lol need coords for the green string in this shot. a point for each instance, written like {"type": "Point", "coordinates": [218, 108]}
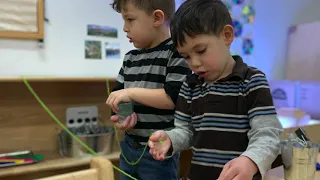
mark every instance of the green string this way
{"type": "Point", "coordinates": [67, 130]}
{"type": "Point", "coordinates": [117, 138]}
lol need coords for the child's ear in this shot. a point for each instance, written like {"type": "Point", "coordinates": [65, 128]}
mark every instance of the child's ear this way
{"type": "Point", "coordinates": [158, 18]}
{"type": "Point", "coordinates": [228, 34]}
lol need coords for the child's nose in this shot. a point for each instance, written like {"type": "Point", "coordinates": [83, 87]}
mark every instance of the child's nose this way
{"type": "Point", "coordinates": [195, 63]}
{"type": "Point", "coordinates": [125, 28]}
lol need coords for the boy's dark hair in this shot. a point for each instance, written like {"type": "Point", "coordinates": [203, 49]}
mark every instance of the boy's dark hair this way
{"type": "Point", "coordinates": [199, 17]}
{"type": "Point", "coordinates": [167, 6]}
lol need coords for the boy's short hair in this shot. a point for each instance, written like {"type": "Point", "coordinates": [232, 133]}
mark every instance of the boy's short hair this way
{"type": "Point", "coordinates": [199, 17]}
{"type": "Point", "coordinates": [167, 6]}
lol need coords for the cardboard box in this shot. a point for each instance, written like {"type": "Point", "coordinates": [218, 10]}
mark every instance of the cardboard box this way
{"type": "Point", "coordinates": [309, 98]}
{"type": "Point", "coordinates": [283, 93]}
{"type": "Point", "coordinates": [292, 117]}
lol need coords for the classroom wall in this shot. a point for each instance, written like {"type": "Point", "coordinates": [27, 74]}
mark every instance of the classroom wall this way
{"type": "Point", "coordinates": [273, 18]}
{"type": "Point", "coordinates": [63, 54]}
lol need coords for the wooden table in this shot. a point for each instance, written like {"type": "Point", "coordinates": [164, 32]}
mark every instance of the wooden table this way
{"type": "Point", "coordinates": [49, 167]}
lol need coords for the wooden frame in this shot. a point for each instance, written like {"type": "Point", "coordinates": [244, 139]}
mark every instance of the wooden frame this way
{"type": "Point", "coordinates": [29, 35]}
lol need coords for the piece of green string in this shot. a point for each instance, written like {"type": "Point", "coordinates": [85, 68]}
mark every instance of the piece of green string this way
{"type": "Point", "coordinates": [68, 131]}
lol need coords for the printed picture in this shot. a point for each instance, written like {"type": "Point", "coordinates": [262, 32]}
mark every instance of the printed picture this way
{"type": "Point", "coordinates": [93, 49]}
{"type": "Point", "coordinates": [106, 31]}
{"type": "Point", "coordinates": [112, 50]}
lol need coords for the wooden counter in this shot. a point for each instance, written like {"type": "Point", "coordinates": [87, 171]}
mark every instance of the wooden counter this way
{"type": "Point", "coordinates": [56, 79]}
{"type": "Point", "coordinates": [51, 165]}
{"type": "Point", "coordinates": [65, 165]}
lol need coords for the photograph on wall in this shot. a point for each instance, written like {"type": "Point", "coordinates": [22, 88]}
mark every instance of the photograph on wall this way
{"type": "Point", "coordinates": [93, 49]}
{"type": "Point", "coordinates": [112, 50]}
{"type": "Point", "coordinates": [105, 31]}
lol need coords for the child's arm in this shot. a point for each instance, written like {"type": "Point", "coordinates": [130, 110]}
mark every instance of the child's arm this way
{"type": "Point", "coordinates": [119, 86]}
{"type": "Point", "coordinates": [119, 83]}
{"type": "Point", "coordinates": [157, 98]}
{"type": "Point", "coordinates": [166, 97]}
{"type": "Point", "coordinates": [264, 136]}
{"type": "Point", "coordinates": [180, 137]}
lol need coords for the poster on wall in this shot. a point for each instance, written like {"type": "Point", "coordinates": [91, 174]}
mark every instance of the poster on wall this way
{"type": "Point", "coordinates": [104, 31]}
{"type": "Point", "coordinates": [112, 50]}
{"type": "Point", "coordinates": [93, 49]}
{"type": "Point", "coordinates": [243, 16]}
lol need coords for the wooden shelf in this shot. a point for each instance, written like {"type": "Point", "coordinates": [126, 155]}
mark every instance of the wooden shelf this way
{"type": "Point", "coordinates": [55, 79]}
{"type": "Point", "coordinates": [51, 165]}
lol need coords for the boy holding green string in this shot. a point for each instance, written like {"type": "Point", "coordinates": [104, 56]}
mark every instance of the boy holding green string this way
{"type": "Point", "coordinates": [150, 77]}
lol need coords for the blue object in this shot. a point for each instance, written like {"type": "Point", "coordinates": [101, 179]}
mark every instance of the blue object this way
{"type": "Point", "coordinates": [5, 164]}
{"type": "Point", "coordinates": [237, 28]}
{"type": "Point", "coordinates": [238, 1]}
{"type": "Point", "coordinates": [318, 167]}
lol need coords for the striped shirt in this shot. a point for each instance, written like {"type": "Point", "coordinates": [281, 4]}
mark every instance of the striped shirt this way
{"type": "Point", "coordinates": [158, 67]}
{"type": "Point", "coordinates": [221, 121]}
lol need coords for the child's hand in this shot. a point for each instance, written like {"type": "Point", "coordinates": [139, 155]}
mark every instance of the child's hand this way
{"type": "Point", "coordinates": [241, 168]}
{"type": "Point", "coordinates": [128, 123]}
{"type": "Point", "coordinates": [117, 97]}
{"type": "Point", "coordinates": [159, 144]}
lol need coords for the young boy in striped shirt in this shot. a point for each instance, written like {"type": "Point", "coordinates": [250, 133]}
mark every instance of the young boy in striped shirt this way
{"type": "Point", "coordinates": [151, 77]}
{"type": "Point", "coordinates": [224, 111]}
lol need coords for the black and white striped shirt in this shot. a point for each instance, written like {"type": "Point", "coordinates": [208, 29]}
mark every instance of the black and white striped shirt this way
{"type": "Point", "coordinates": [158, 67]}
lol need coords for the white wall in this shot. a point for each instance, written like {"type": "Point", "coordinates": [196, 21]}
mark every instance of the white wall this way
{"type": "Point", "coordinates": [273, 18]}
{"type": "Point", "coordinates": [63, 54]}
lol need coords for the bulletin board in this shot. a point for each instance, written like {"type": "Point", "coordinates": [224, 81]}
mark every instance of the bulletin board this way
{"type": "Point", "coordinates": [243, 16]}
{"type": "Point", "coordinates": [22, 19]}
{"type": "Point", "coordinates": [303, 52]}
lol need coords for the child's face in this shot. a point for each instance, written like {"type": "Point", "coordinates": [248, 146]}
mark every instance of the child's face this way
{"type": "Point", "coordinates": [139, 26]}
{"type": "Point", "coordinates": [207, 55]}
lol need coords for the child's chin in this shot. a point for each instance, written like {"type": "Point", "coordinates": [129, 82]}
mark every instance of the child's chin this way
{"type": "Point", "coordinates": [136, 45]}
{"type": "Point", "coordinates": [139, 46]}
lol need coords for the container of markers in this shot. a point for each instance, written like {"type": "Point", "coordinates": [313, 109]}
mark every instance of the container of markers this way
{"type": "Point", "coordinates": [299, 158]}
{"type": "Point", "coordinates": [97, 138]}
